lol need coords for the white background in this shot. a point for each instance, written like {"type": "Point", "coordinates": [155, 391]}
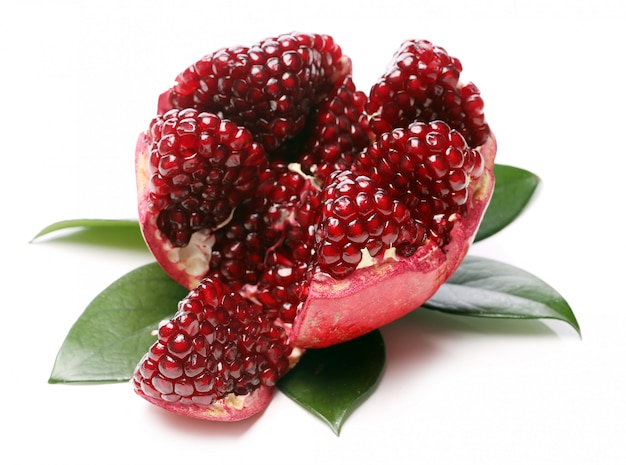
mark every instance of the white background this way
{"type": "Point", "coordinates": [80, 80]}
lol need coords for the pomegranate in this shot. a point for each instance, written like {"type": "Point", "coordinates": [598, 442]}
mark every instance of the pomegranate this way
{"type": "Point", "coordinates": [299, 211]}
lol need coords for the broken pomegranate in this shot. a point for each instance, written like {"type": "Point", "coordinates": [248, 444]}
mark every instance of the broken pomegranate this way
{"type": "Point", "coordinates": [299, 211]}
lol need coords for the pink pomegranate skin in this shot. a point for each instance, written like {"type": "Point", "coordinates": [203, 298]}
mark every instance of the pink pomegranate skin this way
{"type": "Point", "coordinates": [232, 408]}
{"type": "Point", "coordinates": [339, 310]}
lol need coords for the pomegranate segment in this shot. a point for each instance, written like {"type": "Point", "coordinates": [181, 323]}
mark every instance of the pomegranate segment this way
{"type": "Point", "coordinates": [217, 350]}
{"type": "Point", "coordinates": [422, 84]}
{"type": "Point", "coordinates": [202, 167]}
{"type": "Point", "coordinates": [193, 168]}
{"type": "Point", "coordinates": [316, 212]}
{"type": "Point", "coordinates": [337, 310]}
{"type": "Point", "coordinates": [270, 87]}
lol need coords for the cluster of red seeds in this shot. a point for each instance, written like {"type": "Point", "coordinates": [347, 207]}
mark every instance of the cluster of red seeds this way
{"type": "Point", "coordinates": [359, 215]}
{"type": "Point", "coordinates": [218, 343]}
{"type": "Point", "coordinates": [402, 189]}
{"type": "Point", "coordinates": [268, 245]}
{"type": "Point", "coordinates": [338, 132]}
{"type": "Point", "coordinates": [422, 84]}
{"type": "Point", "coordinates": [201, 167]}
{"type": "Point", "coordinates": [427, 166]}
{"type": "Point", "coordinates": [270, 87]}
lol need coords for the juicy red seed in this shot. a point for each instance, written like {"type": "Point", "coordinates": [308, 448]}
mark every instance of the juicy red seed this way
{"type": "Point", "coordinates": [351, 254]}
{"type": "Point", "coordinates": [184, 388]}
{"type": "Point", "coordinates": [375, 224]}
{"type": "Point", "coordinates": [170, 367]}
{"type": "Point", "coordinates": [204, 384]}
{"type": "Point", "coordinates": [194, 365]}
{"type": "Point", "coordinates": [437, 142]}
{"type": "Point", "coordinates": [356, 231]}
{"type": "Point", "coordinates": [268, 377]}
{"type": "Point", "coordinates": [163, 385]}
{"type": "Point", "coordinates": [438, 166]}
{"type": "Point", "coordinates": [146, 386]}
{"type": "Point", "coordinates": [400, 214]}
{"type": "Point", "coordinates": [147, 368]}
{"type": "Point", "coordinates": [365, 204]}
{"type": "Point", "coordinates": [344, 208]}
{"type": "Point", "coordinates": [334, 229]}
{"type": "Point", "coordinates": [180, 345]}
{"type": "Point", "coordinates": [167, 331]}
{"type": "Point", "coordinates": [459, 197]}
{"type": "Point", "coordinates": [157, 351]}
{"type": "Point", "coordinates": [384, 203]}
{"type": "Point", "coordinates": [389, 233]}
{"type": "Point", "coordinates": [209, 368]}
{"type": "Point", "coordinates": [458, 179]}
{"type": "Point", "coordinates": [329, 254]}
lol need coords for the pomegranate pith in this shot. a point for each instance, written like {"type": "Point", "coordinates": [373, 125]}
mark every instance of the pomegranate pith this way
{"type": "Point", "coordinates": [316, 211]}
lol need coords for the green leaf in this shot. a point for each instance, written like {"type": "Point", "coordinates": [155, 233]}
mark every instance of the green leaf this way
{"type": "Point", "coordinates": [115, 330]}
{"type": "Point", "coordinates": [514, 189]}
{"type": "Point", "coordinates": [489, 288]}
{"type": "Point", "coordinates": [332, 382]}
{"type": "Point", "coordinates": [116, 233]}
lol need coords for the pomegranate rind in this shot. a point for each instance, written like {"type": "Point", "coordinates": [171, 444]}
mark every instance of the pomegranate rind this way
{"type": "Point", "coordinates": [340, 310]}
{"type": "Point", "coordinates": [230, 408]}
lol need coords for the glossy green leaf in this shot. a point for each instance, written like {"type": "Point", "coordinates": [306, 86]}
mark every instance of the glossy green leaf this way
{"type": "Point", "coordinates": [514, 189]}
{"type": "Point", "coordinates": [332, 382]}
{"type": "Point", "coordinates": [116, 233]}
{"type": "Point", "coordinates": [115, 330]}
{"type": "Point", "coordinates": [488, 288]}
